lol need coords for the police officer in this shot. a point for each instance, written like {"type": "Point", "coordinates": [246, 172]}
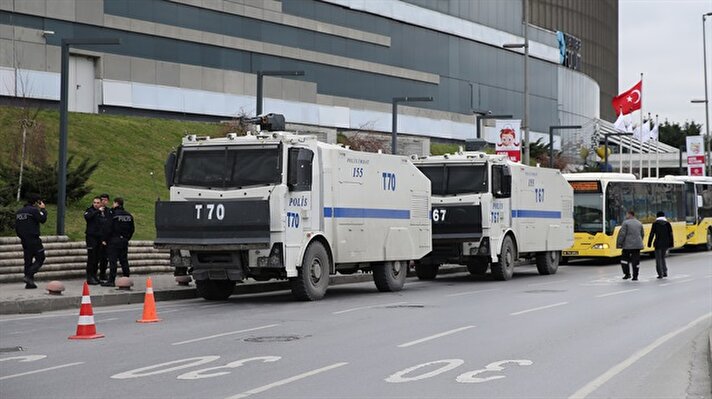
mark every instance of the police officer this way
{"type": "Point", "coordinates": [27, 227]}
{"type": "Point", "coordinates": [117, 234]}
{"type": "Point", "coordinates": [96, 218]}
{"type": "Point", "coordinates": [104, 260]}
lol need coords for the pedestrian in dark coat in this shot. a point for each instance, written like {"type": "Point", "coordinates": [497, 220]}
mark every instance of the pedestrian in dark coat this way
{"type": "Point", "coordinates": [104, 260]}
{"type": "Point", "coordinates": [630, 240]}
{"type": "Point", "coordinates": [27, 227]}
{"type": "Point", "coordinates": [662, 239]}
{"type": "Point", "coordinates": [116, 236]}
{"type": "Point", "coordinates": [96, 218]}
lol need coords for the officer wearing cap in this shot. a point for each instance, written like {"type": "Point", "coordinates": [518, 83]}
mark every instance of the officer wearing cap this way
{"type": "Point", "coordinates": [27, 227]}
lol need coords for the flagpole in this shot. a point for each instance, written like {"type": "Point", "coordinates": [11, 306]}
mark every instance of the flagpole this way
{"type": "Point", "coordinates": [630, 147]}
{"type": "Point", "coordinates": [620, 151]}
{"type": "Point", "coordinates": [650, 160]}
{"type": "Point", "coordinates": [657, 149]}
{"type": "Point", "coordinates": [640, 139]}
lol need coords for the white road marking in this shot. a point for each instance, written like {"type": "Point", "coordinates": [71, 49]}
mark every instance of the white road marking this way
{"type": "Point", "coordinates": [473, 292]}
{"type": "Point", "coordinates": [399, 376]}
{"type": "Point", "coordinates": [539, 308]}
{"type": "Point", "coordinates": [616, 293]}
{"type": "Point", "coordinates": [442, 334]}
{"type": "Point", "coordinates": [105, 320]}
{"type": "Point", "coordinates": [75, 312]}
{"type": "Point", "coordinates": [286, 381]}
{"type": "Point", "coordinates": [618, 368]}
{"type": "Point", "coordinates": [223, 334]}
{"type": "Point", "coordinates": [367, 307]}
{"type": "Point", "coordinates": [7, 377]}
{"type": "Point", "coordinates": [677, 282]}
{"type": "Point", "coordinates": [547, 283]}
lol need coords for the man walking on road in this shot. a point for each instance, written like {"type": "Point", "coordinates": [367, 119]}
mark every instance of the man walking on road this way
{"type": "Point", "coordinates": [27, 227]}
{"type": "Point", "coordinates": [116, 236]}
{"type": "Point", "coordinates": [96, 218]}
{"type": "Point", "coordinates": [630, 239]}
{"type": "Point", "coordinates": [662, 233]}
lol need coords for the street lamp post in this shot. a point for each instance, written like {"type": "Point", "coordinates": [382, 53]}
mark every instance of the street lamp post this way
{"type": "Point", "coordinates": [525, 46]}
{"type": "Point", "coordinates": [394, 125]}
{"type": "Point", "coordinates": [262, 74]}
{"type": "Point", "coordinates": [551, 139]}
{"type": "Point", "coordinates": [63, 118]}
{"type": "Point", "coordinates": [707, 103]}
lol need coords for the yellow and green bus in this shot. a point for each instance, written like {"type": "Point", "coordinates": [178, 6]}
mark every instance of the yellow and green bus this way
{"type": "Point", "coordinates": [601, 201]}
{"type": "Point", "coordinates": [698, 209]}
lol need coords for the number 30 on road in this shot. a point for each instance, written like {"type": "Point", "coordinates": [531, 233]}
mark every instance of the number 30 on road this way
{"type": "Point", "coordinates": [470, 377]}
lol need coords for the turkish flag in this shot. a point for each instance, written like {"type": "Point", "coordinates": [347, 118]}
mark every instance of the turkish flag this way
{"type": "Point", "coordinates": [629, 101]}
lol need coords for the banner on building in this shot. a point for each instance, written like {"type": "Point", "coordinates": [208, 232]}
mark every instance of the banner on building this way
{"type": "Point", "coordinates": [508, 140]}
{"type": "Point", "coordinates": [695, 156]}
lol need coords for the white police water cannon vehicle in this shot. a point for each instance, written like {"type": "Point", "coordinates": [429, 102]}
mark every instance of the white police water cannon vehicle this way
{"type": "Point", "coordinates": [277, 205]}
{"type": "Point", "coordinates": [489, 212]}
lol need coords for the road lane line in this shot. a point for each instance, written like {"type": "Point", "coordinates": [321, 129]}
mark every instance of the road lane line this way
{"type": "Point", "coordinates": [677, 282]}
{"type": "Point", "coordinates": [618, 368]}
{"type": "Point", "coordinates": [104, 320]}
{"type": "Point", "coordinates": [473, 292]}
{"type": "Point", "coordinates": [285, 381]}
{"type": "Point", "coordinates": [617, 293]}
{"type": "Point", "coordinates": [96, 313]}
{"type": "Point", "coordinates": [539, 308]}
{"type": "Point", "coordinates": [367, 307]}
{"type": "Point", "coordinates": [223, 334]}
{"type": "Point", "coordinates": [547, 283]}
{"type": "Point", "coordinates": [442, 334]}
{"type": "Point", "coordinates": [7, 377]}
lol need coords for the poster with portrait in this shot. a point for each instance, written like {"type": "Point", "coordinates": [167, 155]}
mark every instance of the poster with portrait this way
{"type": "Point", "coordinates": [509, 138]}
{"type": "Point", "coordinates": [695, 156]}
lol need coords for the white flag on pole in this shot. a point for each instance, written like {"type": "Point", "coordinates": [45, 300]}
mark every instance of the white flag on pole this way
{"type": "Point", "coordinates": [637, 133]}
{"type": "Point", "coordinates": [645, 134]}
{"type": "Point", "coordinates": [654, 133]}
{"type": "Point", "coordinates": [620, 124]}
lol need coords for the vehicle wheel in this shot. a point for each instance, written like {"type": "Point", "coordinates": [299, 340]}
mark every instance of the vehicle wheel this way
{"type": "Point", "coordinates": [564, 260]}
{"type": "Point", "coordinates": [215, 290]}
{"type": "Point", "coordinates": [313, 278]}
{"type": "Point", "coordinates": [477, 268]}
{"type": "Point", "coordinates": [504, 269]}
{"type": "Point", "coordinates": [547, 262]}
{"type": "Point", "coordinates": [390, 276]}
{"type": "Point", "coordinates": [708, 245]}
{"type": "Point", "coordinates": [426, 271]}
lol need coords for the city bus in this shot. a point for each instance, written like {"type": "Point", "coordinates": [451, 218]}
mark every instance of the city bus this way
{"type": "Point", "coordinates": [698, 209]}
{"type": "Point", "coordinates": [601, 201]}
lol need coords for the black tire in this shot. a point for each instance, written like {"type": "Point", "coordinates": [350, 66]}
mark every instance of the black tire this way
{"type": "Point", "coordinates": [313, 278]}
{"type": "Point", "coordinates": [547, 262]}
{"type": "Point", "coordinates": [390, 276]}
{"type": "Point", "coordinates": [478, 267]}
{"type": "Point", "coordinates": [215, 290]}
{"type": "Point", "coordinates": [504, 268]}
{"type": "Point", "coordinates": [426, 271]}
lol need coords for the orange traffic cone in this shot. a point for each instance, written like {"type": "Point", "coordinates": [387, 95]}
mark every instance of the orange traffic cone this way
{"type": "Point", "coordinates": [85, 327]}
{"type": "Point", "coordinates": [149, 305]}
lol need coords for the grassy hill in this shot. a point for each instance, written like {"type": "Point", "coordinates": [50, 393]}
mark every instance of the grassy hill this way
{"type": "Point", "coordinates": [127, 148]}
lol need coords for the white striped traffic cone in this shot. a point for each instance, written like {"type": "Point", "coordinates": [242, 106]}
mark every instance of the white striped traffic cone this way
{"type": "Point", "coordinates": [85, 327]}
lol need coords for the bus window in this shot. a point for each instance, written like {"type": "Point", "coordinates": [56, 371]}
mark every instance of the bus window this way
{"type": "Point", "coordinates": [588, 212]}
{"type": "Point", "coordinates": [690, 203]}
{"type": "Point", "coordinates": [705, 191]}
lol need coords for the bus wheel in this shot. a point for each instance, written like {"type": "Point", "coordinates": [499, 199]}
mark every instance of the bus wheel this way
{"type": "Point", "coordinates": [547, 262]}
{"type": "Point", "coordinates": [313, 278]}
{"type": "Point", "coordinates": [215, 290]}
{"type": "Point", "coordinates": [477, 267]}
{"type": "Point", "coordinates": [426, 271]}
{"type": "Point", "coordinates": [504, 268]}
{"type": "Point", "coordinates": [708, 245]}
{"type": "Point", "coordinates": [390, 276]}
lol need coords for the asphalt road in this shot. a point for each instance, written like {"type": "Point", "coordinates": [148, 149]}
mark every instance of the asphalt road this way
{"type": "Point", "coordinates": [583, 332]}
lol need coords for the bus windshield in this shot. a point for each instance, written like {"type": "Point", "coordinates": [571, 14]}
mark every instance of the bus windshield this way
{"type": "Point", "coordinates": [229, 167]}
{"type": "Point", "coordinates": [459, 179]}
{"type": "Point", "coordinates": [588, 213]}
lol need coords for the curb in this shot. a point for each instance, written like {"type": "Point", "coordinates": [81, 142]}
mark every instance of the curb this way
{"type": "Point", "coordinates": [171, 294]}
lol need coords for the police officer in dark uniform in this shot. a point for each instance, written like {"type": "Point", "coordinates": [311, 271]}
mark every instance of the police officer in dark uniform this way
{"type": "Point", "coordinates": [96, 218]}
{"type": "Point", "coordinates": [117, 234]}
{"type": "Point", "coordinates": [104, 260]}
{"type": "Point", "coordinates": [27, 227]}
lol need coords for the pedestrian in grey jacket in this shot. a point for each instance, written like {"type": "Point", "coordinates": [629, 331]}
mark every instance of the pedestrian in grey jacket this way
{"type": "Point", "coordinates": [630, 240]}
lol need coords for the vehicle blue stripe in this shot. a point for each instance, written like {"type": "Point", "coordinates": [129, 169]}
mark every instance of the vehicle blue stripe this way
{"type": "Point", "coordinates": [526, 213]}
{"type": "Point", "coordinates": [368, 213]}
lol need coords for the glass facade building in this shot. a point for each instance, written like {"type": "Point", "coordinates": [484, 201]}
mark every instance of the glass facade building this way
{"type": "Point", "coordinates": [200, 58]}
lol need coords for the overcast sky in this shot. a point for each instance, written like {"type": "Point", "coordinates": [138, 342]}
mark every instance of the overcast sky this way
{"type": "Point", "coordinates": [663, 40]}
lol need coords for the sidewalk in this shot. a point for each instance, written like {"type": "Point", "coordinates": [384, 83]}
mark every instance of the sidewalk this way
{"type": "Point", "coordinates": [14, 298]}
